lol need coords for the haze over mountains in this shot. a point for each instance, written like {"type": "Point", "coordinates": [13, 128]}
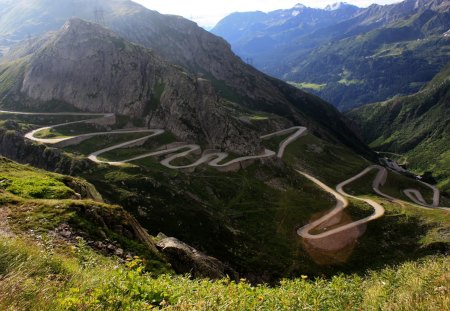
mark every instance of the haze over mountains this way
{"type": "Point", "coordinates": [348, 56]}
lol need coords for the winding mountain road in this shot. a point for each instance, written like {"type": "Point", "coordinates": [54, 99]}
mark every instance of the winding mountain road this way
{"type": "Point", "coordinates": [299, 132]}
{"type": "Point", "coordinates": [341, 204]}
{"type": "Point", "coordinates": [417, 197]}
{"type": "Point", "coordinates": [214, 159]}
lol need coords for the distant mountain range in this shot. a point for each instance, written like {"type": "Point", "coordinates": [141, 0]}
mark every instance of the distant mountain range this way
{"type": "Point", "coordinates": [415, 126]}
{"type": "Point", "coordinates": [347, 55]}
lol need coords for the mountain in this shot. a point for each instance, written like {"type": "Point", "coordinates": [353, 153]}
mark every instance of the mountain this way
{"type": "Point", "coordinates": [366, 55]}
{"type": "Point", "coordinates": [155, 70]}
{"type": "Point", "coordinates": [414, 128]}
{"type": "Point", "coordinates": [256, 34]}
{"type": "Point", "coordinates": [177, 40]}
{"type": "Point", "coordinates": [183, 43]}
{"type": "Point", "coordinates": [90, 68]}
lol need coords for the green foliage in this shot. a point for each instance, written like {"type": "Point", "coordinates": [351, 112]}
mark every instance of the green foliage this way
{"type": "Point", "coordinates": [49, 133]}
{"type": "Point", "coordinates": [254, 212]}
{"type": "Point", "coordinates": [332, 163]}
{"type": "Point", "coordinates": [396, 183]}
{"type": "Point", "coordinates": [416, 126]}
{"type": "Point", "coordinates": [148, 146]}
{"type": "Point", "coordinates": [71, 130]}
{"type": "Point", "coordinates": [31, 183]}
{"type": "Point", "coordinates": [57, 281]}
{"type": "Point", "coordinates": [72, 278]}
{"type": "Point", "coordinates": [102, 141]}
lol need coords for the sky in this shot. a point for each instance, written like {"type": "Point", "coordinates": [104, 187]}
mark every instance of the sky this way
{"type": "Point", "coordinates": [208, 13]}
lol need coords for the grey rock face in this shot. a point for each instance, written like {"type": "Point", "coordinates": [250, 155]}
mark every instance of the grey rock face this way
{"type": "Point", "coordinates": [181, 42]}
{"type": "Point", "coordinates": [95, 70]}
{"type": "Point", "coordinates": [14, 146]}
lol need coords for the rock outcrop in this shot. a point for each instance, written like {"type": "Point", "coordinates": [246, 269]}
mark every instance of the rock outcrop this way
{"type": "Point", "coordinates": [92, 69]}
{"type": "Point", "coordinates": [14, 146]}
{"type": "Point", "coordinates": [186, 259]}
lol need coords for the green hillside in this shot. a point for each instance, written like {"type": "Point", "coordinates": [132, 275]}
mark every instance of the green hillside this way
{"type": "Point", "coordinates": [54, 280]}
{"type": "Point", "coordinates": [143, 165]}
{"type": "Point", "coordinates": [41, 270]}
{"type": "Point", "coordinates": [416, 126]}
{"type": "Point", "coordinates": [369, 55]}
{"type": "Point", "coordinates": [254, 212]}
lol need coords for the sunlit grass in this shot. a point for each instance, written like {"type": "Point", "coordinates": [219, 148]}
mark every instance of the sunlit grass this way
{"type": "Point", "coordinates": [43, 278]}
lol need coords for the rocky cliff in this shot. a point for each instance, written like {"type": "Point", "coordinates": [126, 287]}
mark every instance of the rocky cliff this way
{"type": "Point", "coordinates": [92, 69]}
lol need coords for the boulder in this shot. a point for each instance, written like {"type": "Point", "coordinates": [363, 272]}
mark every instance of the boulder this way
{"type": "Point", "coordinates": [186, 259]}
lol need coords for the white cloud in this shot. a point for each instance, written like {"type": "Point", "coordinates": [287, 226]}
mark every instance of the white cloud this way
{"type": "Point", "coordinates": [208, 13]}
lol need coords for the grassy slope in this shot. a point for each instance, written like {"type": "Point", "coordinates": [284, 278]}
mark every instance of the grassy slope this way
{"type": "Point", "coordinates": [37, 202]}
{"type": "Point", "coordinates": [417, 126]}
{"type": "Point", "coordinates": [254, 213]}
{"type": "Point", "coordinates": [29, 183]}
{"type": "Point", "coordinates": [42, 273]}
{"type": "Point", "coordinates": [254, 222]}
{"type": "Point", "coordinates": [39, 279]}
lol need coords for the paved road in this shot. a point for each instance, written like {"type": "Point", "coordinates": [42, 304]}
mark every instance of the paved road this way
{"type": "Point", "coordinates": [215, 159]}
{"type": "Point", "coordinates": [341, 204]}
{"type": "Point", "coordinates": [417, 197]}
{"type": "Point", "coordinates": [299, 132]}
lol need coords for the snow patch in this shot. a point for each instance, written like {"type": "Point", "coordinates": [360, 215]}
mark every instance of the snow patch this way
{"type": "Point", "coordinates": [299, 6]}
{"type": "Point", "coordinates": [335, 6]}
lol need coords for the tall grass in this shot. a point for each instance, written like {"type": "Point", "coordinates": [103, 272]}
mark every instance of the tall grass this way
{"type": "Point", "coordinates": [42, 277]}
